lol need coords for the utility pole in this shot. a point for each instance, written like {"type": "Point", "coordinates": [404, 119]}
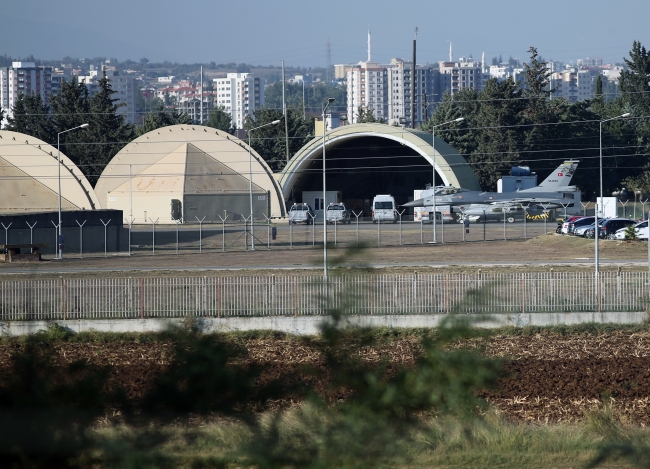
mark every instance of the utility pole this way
{"type": "Point", "coordinates": [284, 113]}
{"type": "Point", "coordinates": [201, 103]}
{"type": "Point", "coordinates": [424, 107]}
{"type": "Point", "coordinates": [413, 81]}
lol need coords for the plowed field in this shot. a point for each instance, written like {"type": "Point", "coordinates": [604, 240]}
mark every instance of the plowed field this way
{"type": "Point", "coordinates": [549, 378]}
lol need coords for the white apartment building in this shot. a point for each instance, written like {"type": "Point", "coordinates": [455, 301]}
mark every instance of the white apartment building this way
{"type": "Point", "coordinates": [456, 76]}
{"type": "Point", "coordinates": [400, 88]}
{"type": "Point", "coordinates": [573, 84]}
{"type": "Point", "coordinates": [367, 88]}
{"type": "Point", "coordinates": [23, 78]}
{"type": "Point", "coordinates": [124, 87]}
{"type": "Point", "coordinates": [240, 94]}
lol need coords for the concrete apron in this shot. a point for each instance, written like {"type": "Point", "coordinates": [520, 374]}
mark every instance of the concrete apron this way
{"type": "Point", "coordinates": [309, 325]}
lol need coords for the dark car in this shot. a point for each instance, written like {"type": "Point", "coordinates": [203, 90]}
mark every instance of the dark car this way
{"type": "Point", "coordinates": [611, 226]}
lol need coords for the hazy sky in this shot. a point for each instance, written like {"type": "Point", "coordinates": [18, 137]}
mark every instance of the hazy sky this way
{"type": "Point", "coordinates": [266, 32]}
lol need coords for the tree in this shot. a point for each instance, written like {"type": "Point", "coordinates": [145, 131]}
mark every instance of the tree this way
{"type": "Point", "coordinates": [159, 117]}
{"type": "Point", "coordinates": [219, 119]}
{"type": "Point", "coordinates": [368, 116]}
{"type": "Point", "coordinates": [633, 82]}
{"type": "Point", "coordinates": [31, 116]}
{"type": "Point", "coordinates": [70, 109]}
{"type": "Point", "coordinates": [270, 142]}
{"type": "Point", "coordinates": [107, 131]}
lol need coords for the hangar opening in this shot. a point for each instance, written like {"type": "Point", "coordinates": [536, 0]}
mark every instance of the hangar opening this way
{"type": "Point", "coordinates": [364, 160]}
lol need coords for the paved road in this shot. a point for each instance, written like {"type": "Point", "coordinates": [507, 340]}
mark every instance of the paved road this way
{"type": "Point", "coordinates": [476, 254]}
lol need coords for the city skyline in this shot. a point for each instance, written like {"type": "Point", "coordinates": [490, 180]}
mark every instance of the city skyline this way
{"type": "Point", "coordinates": [298, 33]}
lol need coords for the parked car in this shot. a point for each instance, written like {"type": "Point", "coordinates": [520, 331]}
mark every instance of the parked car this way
{"type": "Point", "coordinates": [565, 223]}
{"type": "Point", "coordinates": [587, 231]}
{"type": "Point", "coordinates": [640, 229]}
{"type": "Point", "coordinates": [301, 213]}
{"type": "Point", "coordinates": [611, 226]}
{"type": "Point", "coordinates": [337, 213]}
{"type": "Point", "coordinates": [583, 221]}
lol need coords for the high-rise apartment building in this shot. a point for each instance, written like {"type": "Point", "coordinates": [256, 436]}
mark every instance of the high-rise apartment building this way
{"type": "Point", "coordinates": [387, 91]}
{"type": "Point", "coordinates": [240, 94]}
{"type": "Point", "coordinates": [124, 87]}
{"type": "Point", "coordinates": [465, 73]}
{"type": "Point", "coordinates": [367, 89]}
{"type": "Point", "coordinates": [23, 78]}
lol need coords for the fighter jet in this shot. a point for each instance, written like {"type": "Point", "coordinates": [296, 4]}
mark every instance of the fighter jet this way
{"type": "Point", "coordinates": [553, 192]}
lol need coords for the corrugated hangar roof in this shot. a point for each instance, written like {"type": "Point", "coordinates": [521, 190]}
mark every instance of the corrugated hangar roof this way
{"type": "Point", "coordinates": [187, 159]}
{"type": "Point", "coordinates": [30, 177]}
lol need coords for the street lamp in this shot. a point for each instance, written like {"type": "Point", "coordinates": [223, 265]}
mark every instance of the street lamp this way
{"type": "Point", "coordinates": [329, 101]}
{"type": "Point", "coordinates": [433, 144]}
{"type": "Point", "coordinates": [59, 254]}
{"type": "Point", "coordinates": [250, 177]}
{"type": "Point", "coordinates": [596, 229]}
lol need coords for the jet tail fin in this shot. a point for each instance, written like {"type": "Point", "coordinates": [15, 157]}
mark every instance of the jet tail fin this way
{"type": "Point", "coordinates": [560, 178]}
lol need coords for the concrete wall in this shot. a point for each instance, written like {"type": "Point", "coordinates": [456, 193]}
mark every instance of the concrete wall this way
{"type": "Point", "coordinates": [309, 325]}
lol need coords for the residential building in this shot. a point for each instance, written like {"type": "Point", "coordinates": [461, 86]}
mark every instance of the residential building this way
{"type": "Point", "coordinates": [456, 76]}
{"type": "Point", "coordinates": [23, 78]}
{"type": "Point", "coordinates": [400, 88]}
{"type": "Point", "coordinates": [367, 89]}
{"type": "Point", "coordinates": [241, 94]}
{"type": "Point", "coordinates": [573, 84]}
{"type": "Point", "coordinates": [124, 87]}
{"type": "Point", "coordinates": [590, 62]}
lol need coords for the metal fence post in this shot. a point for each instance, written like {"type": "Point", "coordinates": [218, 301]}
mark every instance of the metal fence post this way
{"type": "Point", "coordinates": [200, 232]}
{"type": "Point", "coordinates": [290, 234]}
{"type": "Point", "coordinates": [81, 237]}
{"type": "Point", "coordinates": [421, 231]}
{"type": "Point", "coordinates": [442, 226]}
{"type": "Point", "coordinates": [379, 230]}
{"type": "Point", "coordinates": [313, 228]}
{"type": "Point", "coordinates": [525, 219]}
{"type": "Point", "coordinates": [504, 225]}
{"type": "Point", "coordinates": [177, 222]}
{"type": "Point", "coordinates": [400, 225]}
{"type": "Point", "coordinates": [484, 221]}
{"type": "Point", "coordinates": [153, 236]}
{"type": "Point", "coordinates": [624, 211]}
{"type": "Point", "coordinates": [246, 230]}
{"type": "Point", "coordinates": [130, 222]}
{"type": "Point", "coordinates": [56, 238]}
{"type": "Point", "coordinates": [584, 208]}
{"type": "Point", "coordinates": [268, 232]}
{"type": "Point", "coordinates": [7, 232]}
{"type": "Point", "coordinates": [357, 215]}
{"type": "Point", "coordinates": [31, 232]}
{"type": "Point", "coordinates": [223, 232]}
{"type": "Point", "coordinates": [105, 240]}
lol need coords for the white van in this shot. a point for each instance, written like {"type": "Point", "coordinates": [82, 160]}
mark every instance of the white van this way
{"type": "Point", "coordinates": [384, 209]}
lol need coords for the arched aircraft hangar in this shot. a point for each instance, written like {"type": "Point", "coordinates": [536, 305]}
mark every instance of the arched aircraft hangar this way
{"type": "Point", "coordinates": [363, 160]}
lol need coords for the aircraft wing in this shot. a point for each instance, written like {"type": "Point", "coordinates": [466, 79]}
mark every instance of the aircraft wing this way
{"type": "Point", "coordinates": [546, 202]}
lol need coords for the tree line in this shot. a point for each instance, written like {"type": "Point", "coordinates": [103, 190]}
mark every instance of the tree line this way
{"type": "Point", "coordinates": [511, 123]}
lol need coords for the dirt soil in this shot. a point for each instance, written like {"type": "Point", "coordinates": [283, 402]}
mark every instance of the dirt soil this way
{"type": "Point", "coordinates": [548, 378]}
{"type": "Point", "coordinates": [454, 256]}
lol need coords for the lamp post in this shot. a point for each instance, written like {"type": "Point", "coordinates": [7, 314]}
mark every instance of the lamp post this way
{"type": "Point", "coordinates": [596, 229]}
{"type": "Point", "coordinates": [250, 177]}
{"type": "Point", "coordinates": [59, 255]}
{"type": "Point", "coordinates": [433, 144]}
{"type": "Point", "coordinates": [329, 101]}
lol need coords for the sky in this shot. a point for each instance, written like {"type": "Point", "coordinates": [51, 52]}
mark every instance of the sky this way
{"type": "Point", "coordinates": [265, 32]}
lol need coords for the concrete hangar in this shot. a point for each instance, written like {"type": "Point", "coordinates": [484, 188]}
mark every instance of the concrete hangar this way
{"type": "Point", "coordinates": [363, 160]}
{"type": "Point", "coordinates": [189, 173]}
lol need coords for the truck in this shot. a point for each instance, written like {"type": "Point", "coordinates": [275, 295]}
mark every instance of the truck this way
{"type": "Point", "coordinates": [337, 213]}
{"type": "Point", "coordinates": [301, 213]}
